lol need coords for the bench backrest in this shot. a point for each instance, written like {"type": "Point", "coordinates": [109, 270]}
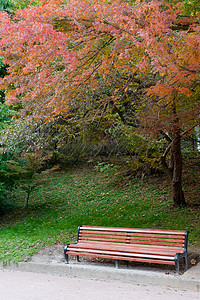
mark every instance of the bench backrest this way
{"type": "Point", "coordinates": [169, 238]}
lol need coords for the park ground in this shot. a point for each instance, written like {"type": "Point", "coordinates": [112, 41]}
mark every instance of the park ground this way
{"type": "Point", "coordinates": [29, 286]}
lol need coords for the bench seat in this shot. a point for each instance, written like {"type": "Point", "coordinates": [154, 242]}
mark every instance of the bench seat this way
{"type": "Point", "coordinates": [140, 245]}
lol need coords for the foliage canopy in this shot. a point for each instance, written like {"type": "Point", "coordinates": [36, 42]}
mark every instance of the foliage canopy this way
{"type": "Point", "coordinates": [144, 50]}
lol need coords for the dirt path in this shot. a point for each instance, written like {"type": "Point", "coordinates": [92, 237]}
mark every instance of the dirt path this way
{"type": "Point", "coordinates": [19, 285]}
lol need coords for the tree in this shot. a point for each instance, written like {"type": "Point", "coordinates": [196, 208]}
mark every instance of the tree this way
{"type": "Point", "coordinates": [142, 46]}
{"type": "Point", "coordinates": [28, 172]}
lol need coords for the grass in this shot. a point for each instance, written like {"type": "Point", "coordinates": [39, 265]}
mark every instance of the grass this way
{"type": "Point", "coordinates": [84, 196]}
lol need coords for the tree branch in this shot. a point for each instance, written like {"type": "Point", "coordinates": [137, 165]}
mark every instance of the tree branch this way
{"type": "Point", "coordinates": [166, 136]}
{"type": "Point", "coordinates": [167, 150]}
{"type": "Point", "coordinates": [186, 131]}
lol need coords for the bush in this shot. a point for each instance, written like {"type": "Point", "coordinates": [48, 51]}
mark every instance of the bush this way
{"type": "Point", "coordinates": [5, 205]}
{"type": "Point", "coordinates": [6, 185]}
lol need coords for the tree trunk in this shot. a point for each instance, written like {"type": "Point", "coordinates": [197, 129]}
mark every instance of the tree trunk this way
{"type": "Point", "coordinates": [27, 198]}
{"type": "Point", "coordinates": [178, 194]}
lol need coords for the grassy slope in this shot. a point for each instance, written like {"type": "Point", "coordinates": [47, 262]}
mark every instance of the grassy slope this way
{"type": "Point", "coordinates": [84, 196]}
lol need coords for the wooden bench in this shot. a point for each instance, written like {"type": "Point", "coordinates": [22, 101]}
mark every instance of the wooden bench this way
{"type": "Point", "coordinates": [130, 244]}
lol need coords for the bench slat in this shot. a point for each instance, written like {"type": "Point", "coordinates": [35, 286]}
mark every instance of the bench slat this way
{"type": "Point", "coordinates": [138, 242]}
{"type": "Point", "coordinates": [97, 245]}
{"type": "Point", "coordinates": [129, 234]}
{"type": "Point", "coordinates": [125, 238]}
{"type": "Point", "coordinates": [167, 262]}
{"type": "Point", "coordinates": [143, 250]}
{"type": "Point", "coordinates": [113, 229]}
{"type": "Point", "coordinates": [123, 253]}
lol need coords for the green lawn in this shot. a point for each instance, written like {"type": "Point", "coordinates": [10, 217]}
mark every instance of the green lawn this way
{"type": "Point", "coordinates": [84, 196]}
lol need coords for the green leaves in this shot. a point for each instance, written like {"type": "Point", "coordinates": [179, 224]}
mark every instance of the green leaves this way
{"type": "Point", "coordinates": [11, 6]}
{"type": "Point", "coordinates": [6, 114]}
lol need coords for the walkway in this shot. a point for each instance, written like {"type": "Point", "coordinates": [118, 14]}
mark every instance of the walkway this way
{"type": "Point", "coordinates": [20, 285]}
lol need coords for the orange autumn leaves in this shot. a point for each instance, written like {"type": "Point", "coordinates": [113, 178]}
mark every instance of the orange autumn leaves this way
{"type": "Point", "coordinates": [47, 66]}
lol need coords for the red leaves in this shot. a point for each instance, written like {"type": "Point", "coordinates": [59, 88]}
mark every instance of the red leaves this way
{"type": "Point", "coordinates": [47, 66]}
{"type": "Point", "coordinates": [35, 53]}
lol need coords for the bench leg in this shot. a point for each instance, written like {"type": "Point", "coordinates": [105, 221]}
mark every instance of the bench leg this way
{"type": "Point", "coordinates": [66, 258]}
{"type": "Point", "coordinates": [185, 263]}
{"type": "Point", "coordinates": [66, 255]}
{"type": "Point", "coordinates": [77, 258]}
{"type": "Point", "coordinates": [117, 263]}
{"type": "Point", "coordinates": [177, 263]}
